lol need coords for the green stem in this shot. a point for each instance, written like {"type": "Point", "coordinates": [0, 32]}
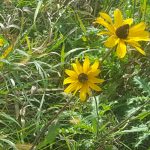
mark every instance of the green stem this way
{"type": "Point", "coordinates": [134, 4]}
{"type": "Point", "coordinates": [97, 114]}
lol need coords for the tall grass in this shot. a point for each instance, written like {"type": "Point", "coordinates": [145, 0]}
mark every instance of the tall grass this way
{"type": "Point", "coordinates": [45, 36]}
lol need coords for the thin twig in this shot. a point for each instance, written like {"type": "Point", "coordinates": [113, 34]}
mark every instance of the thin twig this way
{"type": "Point", "coordinates": [41, 133]}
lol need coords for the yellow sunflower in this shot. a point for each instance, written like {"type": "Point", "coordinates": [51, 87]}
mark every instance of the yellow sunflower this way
{"type": "Point", "coordinates": [83, 78]}
{"type": "Point", "coordinates": [121, 32]}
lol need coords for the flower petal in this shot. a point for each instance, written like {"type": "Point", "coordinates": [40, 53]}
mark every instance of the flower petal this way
{"type": "Point", "coordinates": [69, 80]}
{"type": "Point", "coordinates": [94, 86]}
{"type": "Point", "coordinates": [137, 46]}
{"type": "Point", "coordinates": [104, 32]}
{"type": "Point", "coordinates": [111, 41]}
{"type": "Point", "coordinates": [106, 17]}
{"type": "Point", "coordinates": [140, 39]}
{"type": "Point", "coordinates": [139, 36]}
{"type": "Point", "coordinates": [79, 66]}
{"type": "Point", "coordinates": [76, 67]}
{"type": "Point", "coordinates": [95, 80]}
{"type": "Point", "coordinates": [129, 41]}
{"type": "Point", "coordinates": [95, 66]}
{"type": "Point", "coordinates": [118, 19]}
{"type": "Point", "coordinates": [140, 50]}
{"type": "Point", "coordinates": [128, 21]}
{"type": "Point", "coordinates": [121, 49]}
{"type": "Point", "coordinates": [139, 27]}
{"type": "Point", "coordinates": [86, 65]}
{"type": "Point", "coordinates": [105, 24]}
{"type": "Point", "coordinates": [71, 73]}
{"type": "Point", "coordinates": [94, 73]}
{"type": "Point", "coordinates": [83, 93]}
{"type": "Point", "coordinates": [71, 87]}
{"type": "Point", "coordinates": [79, 85]}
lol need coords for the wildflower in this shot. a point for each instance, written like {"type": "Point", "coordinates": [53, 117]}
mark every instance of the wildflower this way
{"type": "Point", "coordinates": [6, 52]}
{"type": "Point", "coordinates": [121, 32]}
{"type": "Point", "coordinates": [83, 78]}
{"type": "Point", "coordinates": [1, 42]}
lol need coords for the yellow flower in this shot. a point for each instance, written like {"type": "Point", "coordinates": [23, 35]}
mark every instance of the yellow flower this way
{"type": "Point", "coordinates": [121, 32]}
{"type": "Point", "coordinates": [1, 42]}
{"type": "Point", "coordinates": [83, 78]}
{"type": "Point", "coordinates": [6, 52]}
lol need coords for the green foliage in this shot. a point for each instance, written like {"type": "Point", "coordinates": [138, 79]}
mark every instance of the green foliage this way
{"type": "Point", "coordinates": [47, 35]}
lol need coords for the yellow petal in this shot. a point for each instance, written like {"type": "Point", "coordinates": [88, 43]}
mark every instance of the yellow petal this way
{"type": "Point", "coordinates": [128, 21]}
{"type": "Point", "coordinates": [140, 50]}
{"type": "Point", "coordinates": [83, 93]}
{"type": "Point", "coordinates": [104, 32]}
{"type": "Point", "coordinates": [140, 39]}
{"type": "Point", "coordinates": [139, 27]}
{"type": "Point", "coordinates": [94, 73]}
{"type": "Point", "coordinates": [88, 91]}
{"type": "Point", "coordinates": [118, 19]}
{"type": "Point", "coordinates": [95, 66]}
{"type": "Point", "coordinates": [95, 80]}
{"type": "Point", "coordinates": [76, 68]}
{"type": "Point", "coordinates": [121, 49]}
{"type": "Point", "coordinates": [129, 41]}
{"type": "Point", "coordinates": [79, 85]}
{"type": "Point", "coordinates": [82, 96]}
{"type": "Point", "coordinates": [137, 46]}
{"type": "Point", "coordinates": [106, 17]}
{"type": "Point", "coordinates": [69, 80]}
{"type": "Point", "coordinates": [105, 24]}
{"type": "Point", "coordinates": [71, 88]}
{"type": "Point", "coordinates": [111, 41]}
{"type": "Point", "coordinates": [71, 73]}
{"type": "Point", "coordinates": [79, 66]}
{"type": "Point", "coordinates": [139, 36]}
{"type": "Point", "coordinates": [94, 86]}
{"type": "Point", "coordinates": [86, 65]}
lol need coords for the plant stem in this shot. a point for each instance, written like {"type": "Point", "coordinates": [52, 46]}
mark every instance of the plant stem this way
{"type": "Point", "coordinates": [134, 4]}
{"type": "Point", "coordinates": [44, 129]}
{"type": "Point", "coordinates": [96, 105]}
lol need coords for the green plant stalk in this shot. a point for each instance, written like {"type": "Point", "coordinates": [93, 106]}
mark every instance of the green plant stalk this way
{"type": "Point", "coordinates": [44, 129]}
{"type": "Point", "coordinates": [145, 9]}
{"type": "Point", "coordinates": [97, 116]}
{"type": "Point", "coordinates": [95, 7]}
{"type": "Point", "coordinates": [134, 4]}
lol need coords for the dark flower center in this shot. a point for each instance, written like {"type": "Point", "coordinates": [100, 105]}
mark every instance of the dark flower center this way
{"type": "Point", "coordinates": [123, 31]}
{"type": "Point", "coordinates": [82, 77]}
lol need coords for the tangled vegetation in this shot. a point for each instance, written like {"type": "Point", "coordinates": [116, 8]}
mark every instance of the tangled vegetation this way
{"type": "Point", "coordinates": [74, 75]}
